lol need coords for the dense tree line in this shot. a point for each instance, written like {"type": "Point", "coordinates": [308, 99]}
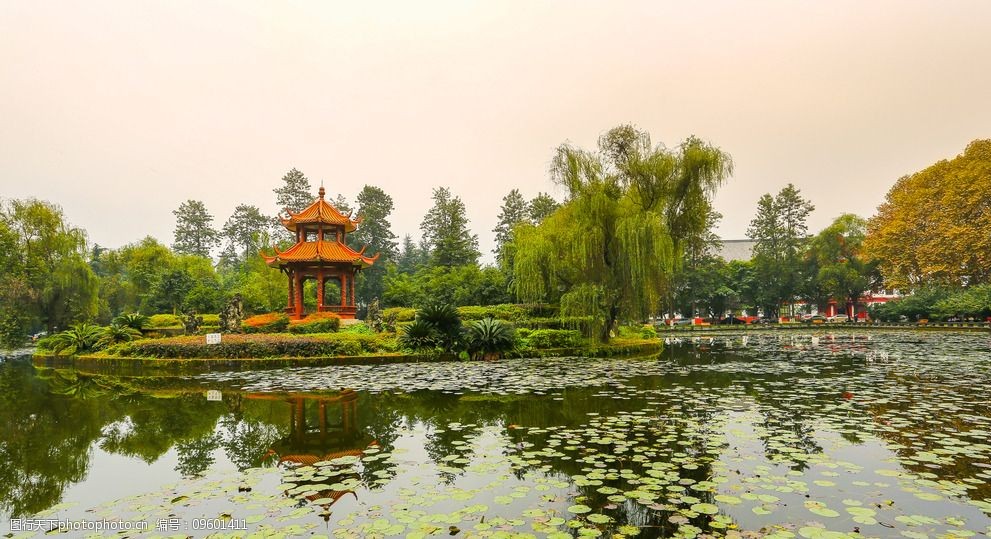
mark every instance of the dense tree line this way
{"type": "Point", "coordinates": [633, 238]}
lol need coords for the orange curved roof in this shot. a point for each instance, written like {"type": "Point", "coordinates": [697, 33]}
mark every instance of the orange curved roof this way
{"type": "Point", "coordinates": [320, 211]}
{"type": "Point", "coordinates": [320, 251]}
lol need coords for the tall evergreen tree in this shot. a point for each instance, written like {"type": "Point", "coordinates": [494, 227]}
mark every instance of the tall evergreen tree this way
{"type": "Point", "coordinates": [541, 206]}
{"type": "Point", "coordinates": [194, 233]}
{"type": "Point", "coordinates": [412, 256]}
{"type": "Point", "coordinates": [446, 232]}
{"type": "Point", "coordinates": [780, 232]}
{"type": "Point", "coordinates": [513, 212]}
{"type": "Point", "coordinates": [243, 230]}
{"type": "Point", "coordinates": [295, 193]}
{"type": "Point", "coordinates": [375, 231]}
{"type": "Point", "coordinates": [341, 204]}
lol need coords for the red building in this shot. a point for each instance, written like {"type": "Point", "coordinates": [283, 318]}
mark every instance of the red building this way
{"type": "Point", "coordinates": [320, 254]}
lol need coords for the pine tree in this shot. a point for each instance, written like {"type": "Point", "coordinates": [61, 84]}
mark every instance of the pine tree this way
{"type": "Point", "coordinates": [296, 192]}
{"type": "Point", "coordinates": [194, 234]}
{"type": "Point", "coordinates": [541, 206]}
{"type": "Point", "coordinates": [513, 212]}
{"type": "Point", "coordinates": [446, 232]}
{"type": "Point", "coordinates": [243, 229]}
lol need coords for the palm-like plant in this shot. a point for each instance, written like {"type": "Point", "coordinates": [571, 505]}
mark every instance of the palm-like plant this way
{"type": "Point", "coordinates": [420, 335]}
{"type": "Point", "coordinates": [445, 320]}
{"type": "Point", "coordinates": [78, 338]}
{"type": "Point", "coordinates": [115, 334]}
{"type": "Point", "coordinates": [490, 337]}
{"type": "Point", "coordinates": [132, 320]}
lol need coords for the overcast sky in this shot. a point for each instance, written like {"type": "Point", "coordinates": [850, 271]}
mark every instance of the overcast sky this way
{"type": "Point", "coordinates": [119, 111]}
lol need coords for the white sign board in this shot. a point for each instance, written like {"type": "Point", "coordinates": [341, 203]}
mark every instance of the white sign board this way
{"type": "Point", "coordinates": [214, 395]}
{"type": "Point", "coordinates": [213, 338]}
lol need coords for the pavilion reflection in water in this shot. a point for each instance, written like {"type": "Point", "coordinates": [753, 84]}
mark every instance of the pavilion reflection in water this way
{"type": "Point", "coordinates": [321, 428]}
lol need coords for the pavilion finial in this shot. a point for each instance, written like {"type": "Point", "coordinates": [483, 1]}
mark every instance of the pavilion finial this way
{"type": "Point", "coordinates": [322, 191]}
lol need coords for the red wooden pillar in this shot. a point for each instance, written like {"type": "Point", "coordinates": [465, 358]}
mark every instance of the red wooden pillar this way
{"type": "Point", "coordinates": [320, 289]}
{"type": "Point", "coordinates": [351, 282]}
{"type": "Point", "coordinates": [344, 289]}
{"type": "Point", "coordinates": [292, 292]}
{"type": "Point", "coordinates": [299, 294]}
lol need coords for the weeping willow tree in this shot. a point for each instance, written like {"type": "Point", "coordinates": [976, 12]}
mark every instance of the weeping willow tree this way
{"type": "Point", "coordinates": [611, 249]}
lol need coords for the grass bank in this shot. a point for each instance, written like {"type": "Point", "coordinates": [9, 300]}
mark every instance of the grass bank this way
{"type": "Point", "coordinates": [156, 366]}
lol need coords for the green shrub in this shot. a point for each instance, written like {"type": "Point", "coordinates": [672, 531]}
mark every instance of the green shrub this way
{"type": "Point", "coordinates": [115, 334]}
{"type": "Point", "coordinates": [359, 328]}
{"type": "Point", "coordinates": [78, 338]}
{"type": "Point", "coordinates": [490, 336]}
{"type": "Point", "coordinates": [266, 323]}
{"type": "Point", "coordinates": [420, 335]}
{"type": "Point", "coordinates": [555, 338]}
{"type": "Point", "coordinates": [445, 321]}
{"type": "Point", "coordinates": [158, 321]}
{"type": "Point", "coordinates": [317, 326]}
{"type": "Point", "coordinates": [210, 319]}
{"type": "Point", "coordinates": [505, 311]}
{"type": "Point", "coordinates": [257, 346]}
{"type": "Point", "coordinates": [399, 314]}
{"type": "Point", "coordinates": [580, 323]}
{"type": "Point", "coordinates": [132, 320]}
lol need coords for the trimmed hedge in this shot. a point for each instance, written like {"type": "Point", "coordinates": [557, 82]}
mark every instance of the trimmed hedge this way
{"type": "Point", "coordinates": [158, 321]}
{"type": "Point", "coordinates": [554, 338]}
{"type": "Point", "coordinates": [266, 323]}
{"type": "Point", "coordinates": [257, 346]}
{"type": "Point", "coordinates": [580, 323]}
{"type": "Point", "coordinates": [316, 323]}
{"type": "Point", "coordinates": [401, 314]}
{"type": "Point", "coordinates": [499, 312]}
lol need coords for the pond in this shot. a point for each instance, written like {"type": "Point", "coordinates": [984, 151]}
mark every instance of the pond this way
{"type": "Point", "coordinates": [874, 434]}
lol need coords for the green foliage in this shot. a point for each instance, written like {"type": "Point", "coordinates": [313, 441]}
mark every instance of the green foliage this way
{"type": "Point", "coordinates": [446, 232]}
{"type": "Point", "coordinates": [116, 334]}
{"type": "Point", "coordinates": [267, 323]}
{"type": "Point", "coordinates": [554, 338]}
{"type": "Point", "coordinates": [194, 233]}
{"type": "Point", "coordinates": [504, 311]}
{"type": "Point", "coordinates": [244, 231]}
{"type": "Point", "coordinates": [420, 335]}
{"type": "Point", "coordinates": [460, 285]}
{"type": "Point", "coordinates": [489, 336]}
{"type": "Point", "coordinates": [375, 232]}
{"type": "Point", "coordinates": [609, 252]}
{"type": "Point", "coordinates": [317, 325]}
{"type": "Point", "coordinates": [295, 193]}
{"type": "Point", "coordinates": [258, 346]}
{"type": "Point", "coordinates": [399, 314]}
{"type": "Point", "coordinates": [160, 321]}
{"type": "Point", "coordinates": [513, 212]}
{"type": "Point", "coordinates": [445, 320]}
{"type": "Point", "coordinates": [973, 302]}
{"type": "Point", "coordinates": [780, 232]}
{"type": "Point", "coordinates": [132, 320]}
{"type": "Point", "coordinates": [937, 303]}
{"type": "Point", "coordinates": [360, 329]}
{"type": "Point", "coordinates": [78, 338]}
{"type": "Point", "coordinates": [46, 280]}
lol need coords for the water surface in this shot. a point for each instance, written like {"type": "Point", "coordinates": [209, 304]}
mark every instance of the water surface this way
{"type": "Point", "coordinates": [815, 435]}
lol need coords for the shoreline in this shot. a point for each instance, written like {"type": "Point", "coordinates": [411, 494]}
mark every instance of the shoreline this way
{"type": "Point", "coordinates": [140, 366]}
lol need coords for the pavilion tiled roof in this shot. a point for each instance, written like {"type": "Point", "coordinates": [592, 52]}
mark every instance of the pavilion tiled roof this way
{"type": "Point", "coordinates": [320, 251]}
{"type": "Point", "coordinates": [320, 211]}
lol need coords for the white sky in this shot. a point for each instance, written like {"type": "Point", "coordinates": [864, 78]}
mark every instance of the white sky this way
{"type": "Point", "coordinates": [119, 111]}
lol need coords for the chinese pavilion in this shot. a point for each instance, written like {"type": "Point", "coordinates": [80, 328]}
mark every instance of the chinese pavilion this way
{"type": "Point", "coordinates": [320, 254]}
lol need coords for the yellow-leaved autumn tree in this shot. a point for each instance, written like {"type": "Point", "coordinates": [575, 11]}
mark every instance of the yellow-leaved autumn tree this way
{"type": "Point", "coordinates": [934, 227]}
